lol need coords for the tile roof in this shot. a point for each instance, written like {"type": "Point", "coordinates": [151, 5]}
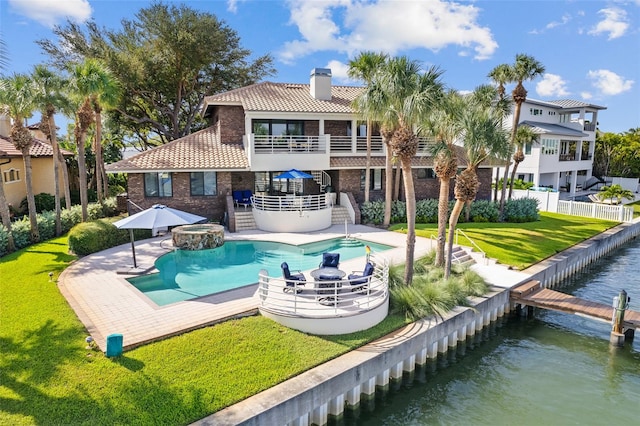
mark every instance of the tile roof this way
{"type": "Point", "coordinates": [195, 152]}
{"type": "Point", "coordinates": [39, 148]}
{"type": "Point", "coordinates": [286, 97]}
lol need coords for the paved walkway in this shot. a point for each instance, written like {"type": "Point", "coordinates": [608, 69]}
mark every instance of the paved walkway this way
{"type": "Point", "coordinates": [106, 303]}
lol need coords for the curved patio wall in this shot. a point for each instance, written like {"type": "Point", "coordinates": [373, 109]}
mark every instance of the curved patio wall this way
{"type": "Point", "coordinates": [292, 221]}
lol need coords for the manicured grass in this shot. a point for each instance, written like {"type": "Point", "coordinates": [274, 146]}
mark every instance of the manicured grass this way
{"type": "Point", "coordinates": [520, 245]}
{"type": "Point", "coordinates": [48, 376]}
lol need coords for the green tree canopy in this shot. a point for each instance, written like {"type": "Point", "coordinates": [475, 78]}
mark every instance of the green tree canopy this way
{"type": "Point", "coordinates": [167, 59]}
{"type": "Point", "coordinates": [617, 154]}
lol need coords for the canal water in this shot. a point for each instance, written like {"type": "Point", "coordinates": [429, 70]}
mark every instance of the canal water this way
{"type": "Point", "coordinates": [552, 369]}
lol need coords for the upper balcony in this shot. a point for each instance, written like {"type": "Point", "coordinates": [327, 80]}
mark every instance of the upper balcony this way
{"type": "Point", "coordinates": [313, 152]}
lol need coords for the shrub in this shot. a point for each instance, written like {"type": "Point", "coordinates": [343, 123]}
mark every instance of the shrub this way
{"type": "Point", "coordinates": [46, 225]}
{"type": "Point", "coordinates": [521, 210]}
{"type": "Point", "coordinates": [484, 211]}
{"type": "Point", "coordinates": [427, 211]}
{"type": "Point", "coordinates": [398, 212]}
{"type": "Point", "coordinates": [91, 237]}
{"type": "Point", "coordinates": [372, 212]}
{"type": "Point", "coordinates": [4, 240]}
{"type": "Point", "coordinates": [21, 231]}
{"type": "Point", "coordinates": [44, 202]}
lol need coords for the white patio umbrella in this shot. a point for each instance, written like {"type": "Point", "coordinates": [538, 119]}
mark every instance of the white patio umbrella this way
{"type": "Point", "coordinates": [157, 216]}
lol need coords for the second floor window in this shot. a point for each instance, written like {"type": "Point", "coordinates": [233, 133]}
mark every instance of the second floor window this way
{"type": "Point", "coordinates": [203, 183]}
{"type": "Point", "coordinates": [278, 127]}
{"type": "Point", "coordinates": [158, 184]}
{"type": "Point", "coordinates": [549, 147]}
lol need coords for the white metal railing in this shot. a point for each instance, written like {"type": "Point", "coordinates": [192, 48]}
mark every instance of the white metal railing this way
{"type": "Point", "coordinates": [617, 213]}
{"type": "Point", "coordinates": [276, 144]}
{"type": "Point", "coordinates": [289, 202]}
{"type": "Point", "coordinates": [315, 298]}
{"type": "Point", "coordinates": [322, 178]}
{"type": "Point", "coordinates": [377, 146]}
{"type": "Point", "coordinates": [473, 243]}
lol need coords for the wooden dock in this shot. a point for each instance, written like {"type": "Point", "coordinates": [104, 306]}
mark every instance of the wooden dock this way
{"type": "Point", "coordinates": [531, 293]}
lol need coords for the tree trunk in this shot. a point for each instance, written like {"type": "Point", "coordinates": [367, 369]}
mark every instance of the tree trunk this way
{"type": "Point", "coordinates": [396, 184]}
{"type": "Point", "coordinates": [453, 222]}
{"type": "Point", "coordinates": [503, 191]}
{"type": "Point", "coordinates": [443, 212]}
{"type": "Point", "coordinates": [31, 199]}
{"type": "Point", "coordinates": [65, 180]}
{"type": "Point", "coordinates": [495, 187]}
{"type": "Point", "coordinates": [410, 195]}
{"type": "Point", "coordinates": [82, 175]}
{"type": "Point", "coordinates": [367, 169]}
{"type": "Point", "coordinates": [56, 171]}
{"type": "Point", "coordinates": [388, 190]}
{"type": "Point", "coordinates": [6, 217]}
{"type": "Point", "coordinates": [513, 177]}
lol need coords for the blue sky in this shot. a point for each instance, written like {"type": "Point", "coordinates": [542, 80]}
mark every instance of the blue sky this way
{"type": "Point", "coordinates": [590, 49]}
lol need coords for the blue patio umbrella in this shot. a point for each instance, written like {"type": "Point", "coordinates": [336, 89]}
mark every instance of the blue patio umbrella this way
{"type": "Point", "coordinates": [294, 174]}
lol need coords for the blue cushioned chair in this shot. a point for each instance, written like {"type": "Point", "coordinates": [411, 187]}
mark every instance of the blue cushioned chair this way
{"type": "Point", "coordinates": [292, 279]}
{"type": "Point", "coordinates": [330, 260]}
{"type": "Point", "coordinates": [361, 281]}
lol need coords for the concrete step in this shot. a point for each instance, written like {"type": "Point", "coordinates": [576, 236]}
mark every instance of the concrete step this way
{"type": "Point", "coordinates": [339, 214]}
{"type": "Point", "coordinates": [245, 221]}
{"type": "Point", "coordinates": [459, 256]}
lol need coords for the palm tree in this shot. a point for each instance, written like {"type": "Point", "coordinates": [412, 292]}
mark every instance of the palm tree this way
{"type": "Point", "coordinates": [525, 68]}
{"type": "Point", "coordinates": [410, 95]}
{"type": "Point", "coordinates": [444, 123]}
{"type": "Point", "coordinates": [483, 136]}
{"type": "Point", "coordinates": [501, 75]}
{"type": "Point", "coordinates": [363, 67]}
{"type": "Point", "coordinates": [49, 96]}
{"type": "Point", "coordinates": [524, 135]}
{"type": "Point", "coordinates": [16, 94]}
{"type": "Point", "coordinates": [615, 192]}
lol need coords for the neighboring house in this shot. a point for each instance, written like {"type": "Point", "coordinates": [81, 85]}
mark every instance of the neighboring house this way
{"type": "Point", "coordinates": [562, 158]}
{"type": "Point", "coordinates": [12, 169]}
{"type": "Point", "coordinates": [257, 132]}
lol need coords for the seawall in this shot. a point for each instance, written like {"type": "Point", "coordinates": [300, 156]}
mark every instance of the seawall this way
{"type": "Point", "coordinates": [329, 389]}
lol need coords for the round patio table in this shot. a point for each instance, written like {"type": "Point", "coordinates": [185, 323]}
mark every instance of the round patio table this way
{"type": "Point", "coordinates": [329, 280]}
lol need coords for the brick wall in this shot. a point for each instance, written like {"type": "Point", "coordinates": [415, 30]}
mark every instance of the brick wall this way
{"type": "Point", "coordinates": [335, 127]}
{"type": "Point", "coordinates": [230, 123]}
{"type": "Point", "coordinates": [212, 207]}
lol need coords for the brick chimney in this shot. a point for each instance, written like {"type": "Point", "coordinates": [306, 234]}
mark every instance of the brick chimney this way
{"type": "Point", "coordinates": [321, 84]}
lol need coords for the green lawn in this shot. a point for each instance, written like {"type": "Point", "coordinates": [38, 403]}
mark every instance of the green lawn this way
{"type": "Point", "coordinates": [523, 244]}
{"type": "Point", "coordinates": [48, 376]}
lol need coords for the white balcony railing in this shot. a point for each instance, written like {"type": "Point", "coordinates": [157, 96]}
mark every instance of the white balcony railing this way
{"type": "Point", "coordinates": [276, 203]}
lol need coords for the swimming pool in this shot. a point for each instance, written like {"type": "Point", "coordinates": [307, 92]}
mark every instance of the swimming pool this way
{"type": "Point", "coordinates": [185, 274]}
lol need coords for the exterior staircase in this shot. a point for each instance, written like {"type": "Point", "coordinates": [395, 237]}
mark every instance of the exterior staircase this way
{"type": "Point", "coordinates": [244, 221]}
{"type": "Point", "coordinates": [459, 256]}
{"type": "Point", "coordinates": [339, 214]}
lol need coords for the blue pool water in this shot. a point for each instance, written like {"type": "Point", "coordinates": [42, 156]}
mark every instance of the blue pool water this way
{"type": "Point", "coordinates": [185, 275]}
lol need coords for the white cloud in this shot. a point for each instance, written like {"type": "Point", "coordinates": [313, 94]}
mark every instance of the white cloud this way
{"type": "Point", "coordinates": [350, 26]}
{"type": "Point", "coordinates": [51, 12]}
{"type": "Point", "coordinates": [615, 23]}
{"type": "Point", "coordinates": [552, 85]}
{"type": "Point", "coordinates": [609, 83]}
{"type": "Point", "coordinates": [232, 5]}
{"type": "Point", "coordinates": [339, 72]}
{"type": "Point", "coordinates": [586, 95]}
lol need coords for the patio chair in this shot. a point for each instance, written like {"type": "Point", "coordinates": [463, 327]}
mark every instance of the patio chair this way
{"type": "Point", "coordinates": [292, 280]}
{"type": "Point", "coordinates": [246, 196]}
{"type": "Point", "coordinates": [360, 281]}
{"type": "Point", "coordinates": [330, 260]}
{"type": "Point", "coordinates": [240, 200]}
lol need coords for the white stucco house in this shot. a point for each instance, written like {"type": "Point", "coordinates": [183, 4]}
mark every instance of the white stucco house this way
{"type": "Point", "coordinates": [562, 158]}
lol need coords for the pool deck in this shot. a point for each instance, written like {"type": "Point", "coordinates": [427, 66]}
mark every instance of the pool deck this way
{"type": "Point", "coordinates": [96, 288]}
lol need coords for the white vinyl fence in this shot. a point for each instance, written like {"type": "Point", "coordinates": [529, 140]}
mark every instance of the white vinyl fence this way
{"type": "Point", "coordinates": [617, 213]}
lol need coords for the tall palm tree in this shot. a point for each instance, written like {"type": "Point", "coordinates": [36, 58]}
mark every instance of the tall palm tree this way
{"type": "Point", "coordinates": [524, 69]}
{"type": "Point", "coordinates": [445, 125]}
{"type": "Point", "coordinates": [17, 96]}
{"type": "Point", "coordinates": [483, 136]}
{"type": "Point", "coordinates": [363, 67]}
{"type": "Point", "coordinates": [501, 75]}
{"type": "Point", "coordinates": [411, 94]}
{"type": "Point", "coordinates": [524, 135]}
{"type": "Point", "coordinates": [48, 91]}
{"type": "Point", "coordinates": [94, 87]}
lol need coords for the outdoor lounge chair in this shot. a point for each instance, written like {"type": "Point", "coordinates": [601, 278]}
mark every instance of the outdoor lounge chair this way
{"type": "Point", "coordinates": [360, 281]}
{"type": "Point", "coordinates": [292, 280]}
{"type": "Point", "coordinates": [330, 260]}
{"type": "Point", "coordinates": [239, 198]}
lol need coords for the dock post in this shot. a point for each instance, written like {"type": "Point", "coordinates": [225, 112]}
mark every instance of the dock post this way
{"type": "Point", "coordinates": [620, 304]}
